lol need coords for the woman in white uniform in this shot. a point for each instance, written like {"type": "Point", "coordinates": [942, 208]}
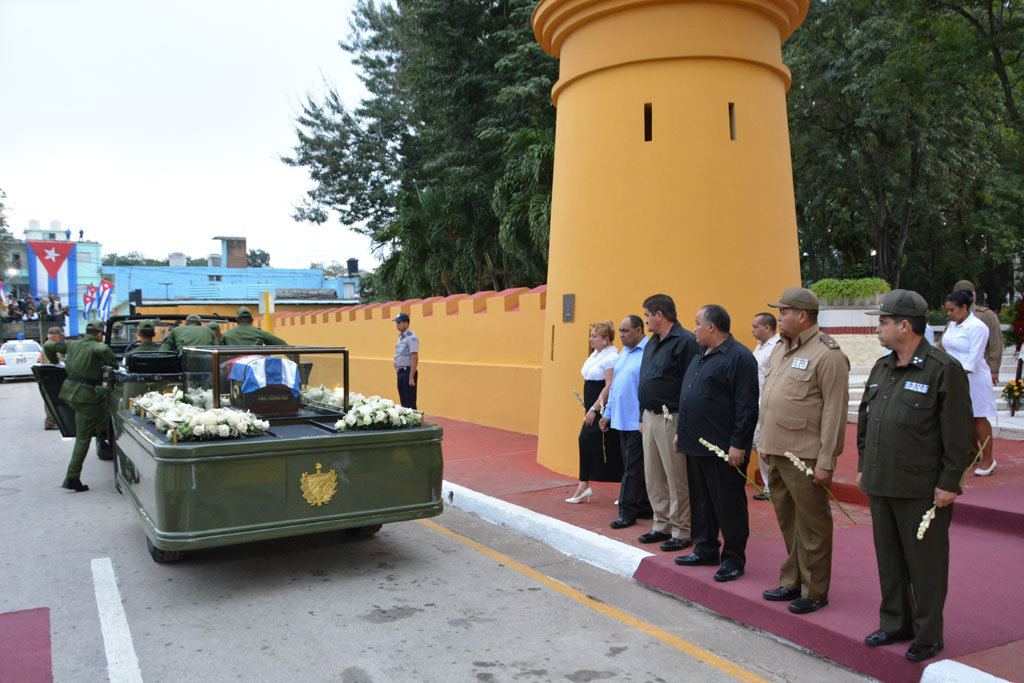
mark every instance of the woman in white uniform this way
{"type": "Point", "coordinates": [965, 339]}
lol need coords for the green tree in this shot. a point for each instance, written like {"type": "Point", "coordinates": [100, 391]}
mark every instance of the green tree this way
{"type": "Point", "coordinates": [415, 166]}
{"type": "Point", "coordinates": [132, 258]}
{"type": "Point", "coordinates": [899, 146]}
{"type": "Point", "coordinates": [257, 258]}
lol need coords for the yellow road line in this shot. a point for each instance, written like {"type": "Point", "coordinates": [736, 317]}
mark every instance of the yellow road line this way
{"type": "Point", "coordinates": [655, 632]}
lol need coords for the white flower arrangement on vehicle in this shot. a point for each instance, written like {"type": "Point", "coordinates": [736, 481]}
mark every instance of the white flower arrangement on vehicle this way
{"type": "Point", "coordinates": [333, 399]}
{"type": "Point", "coordinates": [375, 412]}
{"type": "Point", "coordinates": [182, 421]}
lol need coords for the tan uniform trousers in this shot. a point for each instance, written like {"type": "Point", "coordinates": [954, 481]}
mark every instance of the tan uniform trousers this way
{"type": "Point", "coordinates": [665, 475]}
{"type": "Point", "coordinates": [805, 518]}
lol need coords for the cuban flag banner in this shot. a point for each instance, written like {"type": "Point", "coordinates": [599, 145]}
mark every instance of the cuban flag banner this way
{"type": "Point", "coordinates": [89, 300]}
{"type": "Point", "coordinates": [256, 372]}
{"type": "Point", "coordinates": [105, 299]}
{"type": "Point", "coordinates": [53, 269]}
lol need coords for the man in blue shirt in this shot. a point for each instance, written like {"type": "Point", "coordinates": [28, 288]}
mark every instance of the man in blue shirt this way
{"type": "Point", "coordinates": [621, 413]}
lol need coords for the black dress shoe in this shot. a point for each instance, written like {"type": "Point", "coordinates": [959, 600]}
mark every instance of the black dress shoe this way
{"type": "Point", "coordinates": [880, 637]}
{"type": "Point", "coordinates": [622, 523]}
{"type": "Point", "coordinates": [781, 594]}
{"type": "Point", "coordinates": [728, 573]}
{"type": "Point", "coordinates": [654, 537]}
{"type": "Point", "coordinates": [693, 559]}
{"type": "Point", "coordinates": [676, 544]}
{"type": "Point", "coordinates": [762, 496]}
{"type": "Point", "coordinates": [919, 653]}
{"type": "Point", "coordinates": [804, 605]}
{"type": "Point", "coordinates": [75, 485]}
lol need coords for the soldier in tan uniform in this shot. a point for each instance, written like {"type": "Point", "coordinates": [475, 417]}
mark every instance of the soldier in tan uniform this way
{"type": "Point", "coordinates": [803, 412]}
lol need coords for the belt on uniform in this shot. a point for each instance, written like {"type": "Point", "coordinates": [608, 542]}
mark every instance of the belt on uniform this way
{"type": "Point", "coordinates": [400, 369]}
{"type": "Point", "coordinates": [80, 380]}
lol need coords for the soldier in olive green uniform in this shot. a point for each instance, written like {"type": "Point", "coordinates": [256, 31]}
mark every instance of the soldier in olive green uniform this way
{"type": "Point", "coordinates": [192, 333]}
{"type": "Point", "coordinates": [53, 350]}
{"type": "Point", "coordinates": [146, 331]}
{"type": "Point", "coordinates": [804, 406]}
{"type": "Point", "coordinates": [82, 391]}
{"type": "Point", "coordinates": [244, 334]}
{"type": "Point", "coordinates": [913, 434]}
{"type": "Point", "coordinates": [215, 328]}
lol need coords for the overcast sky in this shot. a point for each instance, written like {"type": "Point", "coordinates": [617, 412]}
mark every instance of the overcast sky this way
{"type": "Point", "coordinates": [155, 126]}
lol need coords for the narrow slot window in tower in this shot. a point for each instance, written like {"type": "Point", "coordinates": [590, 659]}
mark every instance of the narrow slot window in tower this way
{"type": "Point", "coordinates": [648, 127]}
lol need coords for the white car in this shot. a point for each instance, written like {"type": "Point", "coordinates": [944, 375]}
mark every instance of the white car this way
{"type": "Point", "coordinates": [18, 357]}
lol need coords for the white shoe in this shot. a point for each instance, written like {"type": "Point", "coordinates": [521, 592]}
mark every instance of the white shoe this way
{"type": "Point", "coordinates": [978, 472]}
{"type": "Point", "coordinates": [579, 499]}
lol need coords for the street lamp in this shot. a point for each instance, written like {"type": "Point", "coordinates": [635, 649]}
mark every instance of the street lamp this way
{"type": "Point", "coordinates": [166, 285]}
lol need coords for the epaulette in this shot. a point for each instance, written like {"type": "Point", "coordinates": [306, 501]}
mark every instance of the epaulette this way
{"type": "Point", "coordinates": [828, 341]}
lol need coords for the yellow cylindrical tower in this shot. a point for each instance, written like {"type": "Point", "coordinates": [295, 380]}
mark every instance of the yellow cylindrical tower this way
{"type": "Point", "coordinates": [672, 173]}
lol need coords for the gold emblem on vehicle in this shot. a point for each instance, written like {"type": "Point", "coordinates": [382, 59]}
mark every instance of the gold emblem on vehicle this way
{"type": "Point", "coordinates": [319, 488]}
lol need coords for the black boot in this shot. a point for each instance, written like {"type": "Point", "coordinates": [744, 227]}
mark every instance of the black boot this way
{"type": "Point", "coordinates": [75, 485]}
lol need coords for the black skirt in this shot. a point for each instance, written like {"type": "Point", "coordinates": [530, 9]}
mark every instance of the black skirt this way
{"type": "Point", "coordinates": [598, 463]}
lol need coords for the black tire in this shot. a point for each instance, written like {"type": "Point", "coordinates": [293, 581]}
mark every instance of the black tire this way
{"type": "Point", "coordinates": [163, 556]}
{"type": "Point", "coordinates": [365, 531]}
{"type": "Point", "coordinates": [104, 449]}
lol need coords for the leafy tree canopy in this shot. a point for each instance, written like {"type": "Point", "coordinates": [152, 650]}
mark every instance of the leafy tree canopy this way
{"type": "Point", "coordinates": [257, 258]}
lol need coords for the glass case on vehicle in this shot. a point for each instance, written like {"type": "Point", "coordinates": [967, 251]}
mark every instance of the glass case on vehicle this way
{"type": "Point", "coordinates": [281, 384]}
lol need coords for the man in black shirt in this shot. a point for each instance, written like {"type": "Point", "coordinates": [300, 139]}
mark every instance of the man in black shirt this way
{"type": "Point", "coordinates": [718, 403]}
{"type": "Point", "coordinates": [666, 356]}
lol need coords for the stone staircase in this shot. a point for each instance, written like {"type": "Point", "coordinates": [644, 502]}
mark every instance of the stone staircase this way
{"type": "Point", "coordinates": [1003, 426]}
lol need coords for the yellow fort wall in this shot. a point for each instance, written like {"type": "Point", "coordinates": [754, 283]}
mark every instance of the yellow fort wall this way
{"type": "Point", "coordinates": [479, 354]}
{"type": "Point", "coordinates": [703, 211]}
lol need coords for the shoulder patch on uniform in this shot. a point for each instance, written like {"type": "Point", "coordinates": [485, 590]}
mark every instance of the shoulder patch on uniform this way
{"type": "Point", "coordinates": [828, 341]}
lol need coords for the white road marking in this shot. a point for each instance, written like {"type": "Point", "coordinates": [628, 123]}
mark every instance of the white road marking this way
{"type": "Point", "coordinates": [122, 664]}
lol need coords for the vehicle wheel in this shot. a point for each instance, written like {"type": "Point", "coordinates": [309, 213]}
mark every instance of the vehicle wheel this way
{"type": "Point", "coordinates": [163, 556]}
{"type": "Point", "coordinates": [365, 531]}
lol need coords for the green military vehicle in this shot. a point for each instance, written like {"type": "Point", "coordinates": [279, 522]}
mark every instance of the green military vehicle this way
{"type": "Point", "coordinates": [300, 459]}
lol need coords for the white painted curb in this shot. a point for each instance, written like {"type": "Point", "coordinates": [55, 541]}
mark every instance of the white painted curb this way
{"type": "Point", "coordinates": [948, 671]}
{"type": "Point", "coordinates": [600, 551]}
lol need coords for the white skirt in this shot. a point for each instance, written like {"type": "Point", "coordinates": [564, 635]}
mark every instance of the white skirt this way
{"type": "Point", "coordinates": [982, 397]}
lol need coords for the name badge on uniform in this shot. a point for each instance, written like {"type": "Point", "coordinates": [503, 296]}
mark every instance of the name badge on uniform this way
{"type": "Point", "coordinates": [916, 386]}
{"type": "Point", "coordinates": [800, 363]}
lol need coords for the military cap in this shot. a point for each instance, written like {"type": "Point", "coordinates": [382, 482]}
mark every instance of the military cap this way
{"type": "Point", "coordinates": [147, 325]}
{"type": "Point", "coordinates": [193, 320]}
{"type": "Point", "coordinates": [402, 318]}
{"type": "Point", "coordinates": [964, 286]}
{"type": "Point", "coordinates": [93, 327]}
{"type": "Point", "coordinates": [902, 302]}
{"type": "Point", "coordinates": [213, 325]}
{"type": "Point", "coordinates": [55, 330]}
{"type": "Point", "coordinates": [798, 298]}
{"type": "Point", "coordinates": [243, 312]}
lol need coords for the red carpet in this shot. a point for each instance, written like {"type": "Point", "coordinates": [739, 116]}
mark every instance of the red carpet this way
{"type": "Point", "coordinates": [25, 646]}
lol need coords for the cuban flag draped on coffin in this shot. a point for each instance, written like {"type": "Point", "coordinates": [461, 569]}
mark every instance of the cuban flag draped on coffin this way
{"type": "Point", "coordinates": [256, 372]}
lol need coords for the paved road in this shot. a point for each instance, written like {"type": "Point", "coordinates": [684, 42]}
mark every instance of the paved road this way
{"type": "Point", "coordinates": [451, 599]}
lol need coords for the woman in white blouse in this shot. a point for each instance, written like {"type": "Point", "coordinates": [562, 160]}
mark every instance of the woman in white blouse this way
{"type": "Point", "coordinates": [600, 456]}
{"type": "Point", "coordinates": [965, 339]}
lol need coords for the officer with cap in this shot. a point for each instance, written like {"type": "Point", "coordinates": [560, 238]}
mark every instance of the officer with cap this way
{"type": "Point", "coordinates": [145, 331]}
{"type": "Point", "coordinates": [994, 349]}
{"type": "Point", "coordinates": [244, 334]}
{"type": "Point", "coordinates": [83, 391]}
{"type": "Point", "coordinates": [215, 328]}
{"type": "Point", "coordinates": [803, 411]}
{"type": "Point", "coordinates": [913, 430]}
{"type": "Point", "coordinates": [53, 351]}
{"type": "Point", "coordinates": [192, 333]}
{"type": "Point", "coordinates": [407, 360]}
